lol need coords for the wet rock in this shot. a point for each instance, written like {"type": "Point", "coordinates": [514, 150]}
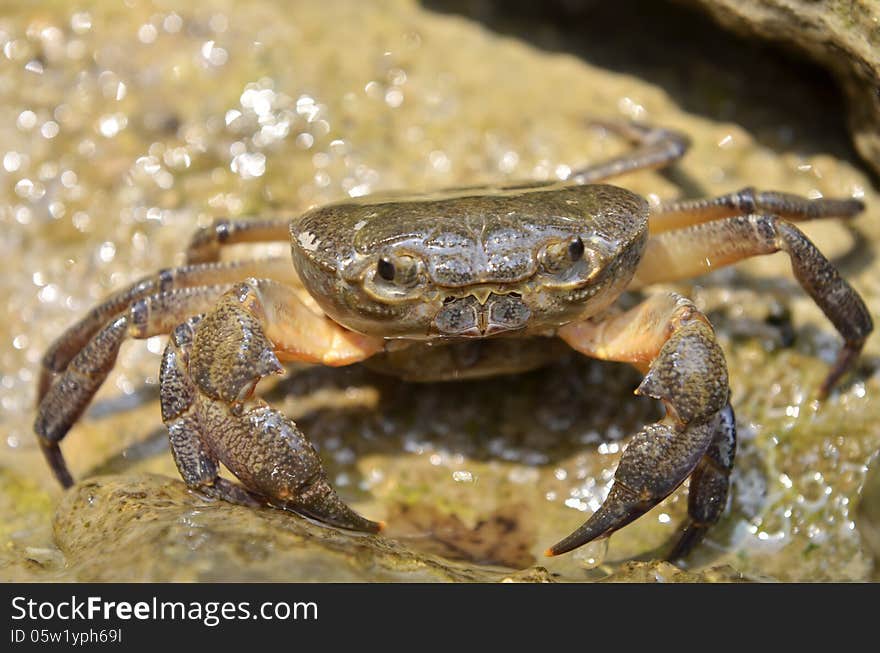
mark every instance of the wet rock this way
{"type": "Point", "coordinates": [843, 36]}
{"type": "Point", "coordinates": [501, 538]}
{"type": "Point", "coordinates": [151, 528]}
{"type": "Point", "coordinates": [663, 572]}
{"type": "Point", "coordinates": [26, 545]}
{"type": "Point", "coordinates": [868, 516]}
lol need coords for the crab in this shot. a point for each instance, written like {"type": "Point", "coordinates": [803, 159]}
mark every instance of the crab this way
{"type": "Point", "coordinates": [465, 283]}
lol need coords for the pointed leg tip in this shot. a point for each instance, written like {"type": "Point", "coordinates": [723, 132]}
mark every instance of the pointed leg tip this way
{"type": "Point", "coordinates": [674, 557]}
{"type": "Point", "coordinates": [846, 360]}
{"type": "Point", "coordinates": [692, 535]}
{"type": "Point", "coordinates": [828, 384]}
{"type": "Point", "coordinates": [57, 464]}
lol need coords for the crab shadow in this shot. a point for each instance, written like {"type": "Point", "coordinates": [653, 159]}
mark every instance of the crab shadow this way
{"type": "Point", "coordinates": [538, 418]}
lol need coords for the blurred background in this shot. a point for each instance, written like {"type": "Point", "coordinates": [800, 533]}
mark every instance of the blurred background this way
{"type": "Point", "coordinates": [126, 124]}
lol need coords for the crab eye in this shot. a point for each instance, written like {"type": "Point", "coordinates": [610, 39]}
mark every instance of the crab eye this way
{"type": "Point", "coordinates": [575, 248]}
{"type": "Point", "coordinates": [401, 270]}
{"type": "Point", "coordinates": [385, 268]}
{"type": "Point", "coordinates": [562, 254]}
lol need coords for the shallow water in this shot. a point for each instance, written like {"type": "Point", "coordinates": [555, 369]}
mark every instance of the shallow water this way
{"type": "Point", "coordinates": [126, 126]}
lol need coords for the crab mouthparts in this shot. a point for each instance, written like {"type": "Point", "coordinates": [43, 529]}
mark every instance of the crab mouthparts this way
{"type": "Point", "coordinates": [481, 313]}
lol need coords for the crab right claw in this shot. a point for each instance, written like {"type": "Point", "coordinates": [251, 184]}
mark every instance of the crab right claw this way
{"type": "Point", "coordinates": [209, 371]}
{"type": "Point", "coordinates": [271, 456]}
{"type": "Point", "coordinates": [688, 373]}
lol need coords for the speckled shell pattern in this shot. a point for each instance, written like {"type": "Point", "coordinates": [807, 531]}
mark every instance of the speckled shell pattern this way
{"type": "Point", "coordinates": [468, 239]}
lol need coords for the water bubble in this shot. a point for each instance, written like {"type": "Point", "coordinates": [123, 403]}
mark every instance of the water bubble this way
{"type": "Point", "coordinates": [394, 98]}
{"type": "Point", "coordinates": [57, 209]}
{"type": "Point", "coordinates": [439, 161]}
{"type": "Point", "coordinates": [508, 161]}
{"type": "Point", "coordinates": [147, 33]}
{"type": "Point", "coordinates": [249, 164]}
{"type": "Point", "coordinates": [110, 125]}
{"type": "Point", "coordinates": [213, 55]}
{"type": "Point", "coordinates": [172, 23]}
{"type": "Point", "coordinates": [27, 189]}
{"type": "Point", "coordinates": [258, 100]}
{"type": "Point", "coordinates": [81, 221]}
{"type": "Point", "coordinates": [81, 22]}
{"type": "Point", "coordinates": [68, 179]}
{"type": "Point", "coordinates": [359, 190]}
{"type": "Point", "coordinates": [397, 76]}
{"type": "Point", "coordinates": [107, 251]}
{"type": "Point", "coordinates": [232, 115]}
{"type": "Point", "coordinates": [49, 129]}
{"type": "Point", "coordinates": [12, 161]}
{"type": "Point", "coordinates": [16, 49]}
{"type": "Point", "coordinates": [26, 120]}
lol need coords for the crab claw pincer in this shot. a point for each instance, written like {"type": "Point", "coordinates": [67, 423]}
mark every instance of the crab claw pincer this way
{"type": "Point", "coordinates": [209, 372]}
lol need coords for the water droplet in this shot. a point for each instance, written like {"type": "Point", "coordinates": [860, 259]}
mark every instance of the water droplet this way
{"type": "Point", "coordinates": [591, 555]}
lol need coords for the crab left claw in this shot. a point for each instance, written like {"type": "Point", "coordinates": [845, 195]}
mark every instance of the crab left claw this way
{"type": "Point", "coordinates": [688, 373]}
{"type": "Point", "coordinates": [657, 460]}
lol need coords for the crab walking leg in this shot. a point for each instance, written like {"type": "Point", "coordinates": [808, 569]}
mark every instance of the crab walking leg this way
{"type": "Point", "coordinates": [685, 253]}
{"type": "Point", "coordinates": [686, 370]}
{"type": "Point", "coordinates": [68, 397]}
{"type": "Point", "coordinates": [676, 215]}
{"type": "Point", "coordinates": [709, 486]}
{"type": "Point", "coordinates": [207, 242]}
{"type": "Point", "coordinates": [208, 380]}
{"type": "Point", "coordinates": [65, 347]}
{"type": "Point", "coordinates": [654, 148]}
